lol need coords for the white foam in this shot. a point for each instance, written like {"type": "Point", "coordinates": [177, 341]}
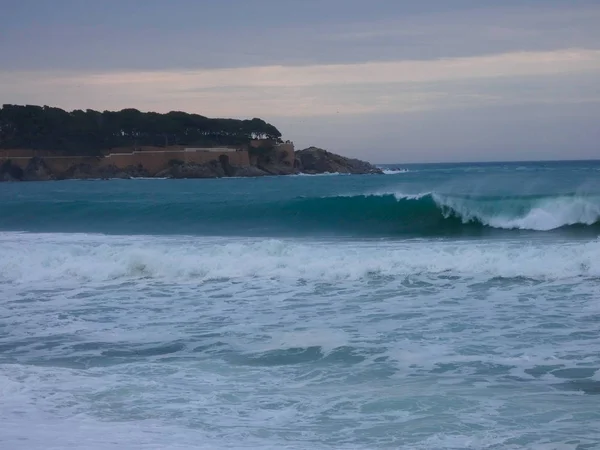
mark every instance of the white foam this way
{"type": "Point", "coordinates": [324, 174]}
{"type": "Point", "coordinates": [552, 214]}
{"type": "Point", "coordinates": [426, 362]}
{"type": "Point", "coordinates": [394, 171]}
{"type": "Point", "coordinates": [400, 196]}
{"type": "Point", "coordinates": [52, 402]}
{"type": "Point", "coordinates": [326, 339]}
{"type": "Point", "coordinates": [28, 258]}
{"type": "Point", "coordinates": [543, 215]}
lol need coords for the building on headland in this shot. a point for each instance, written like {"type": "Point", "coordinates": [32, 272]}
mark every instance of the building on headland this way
{"type": "Point", "coordinates": [212, 149]}
{"type": "Point", "coordinates": [153, 159]}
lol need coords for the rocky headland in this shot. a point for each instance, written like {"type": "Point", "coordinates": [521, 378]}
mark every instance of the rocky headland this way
{"type": "Point", "coordinates": [41, 143]}
{"type": "Point", "coordinates": [315, 160]}
{"type": "Point", "coordinates": [308, 161]}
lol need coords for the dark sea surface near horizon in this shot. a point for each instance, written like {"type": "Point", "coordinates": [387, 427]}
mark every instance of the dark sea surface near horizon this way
{"type": "Point", "coordinates": [442, 306]}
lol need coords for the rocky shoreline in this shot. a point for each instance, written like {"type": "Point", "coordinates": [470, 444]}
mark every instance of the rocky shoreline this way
{"type": "Point", "coordinates": [315, 160]}
{"type": "Point", "coordinates": [308, 161]}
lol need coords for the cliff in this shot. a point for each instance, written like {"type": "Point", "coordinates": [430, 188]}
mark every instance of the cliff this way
{"type": "Point", "coordinates": [315, 160]}
{"type": "Point", "coordinates": [278, 160]}
{"type": "Point", "coordinates": [45, 143]}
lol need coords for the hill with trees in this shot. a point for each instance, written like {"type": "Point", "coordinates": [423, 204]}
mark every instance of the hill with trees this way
{"type": "Point", "coordinates": [92, 132]}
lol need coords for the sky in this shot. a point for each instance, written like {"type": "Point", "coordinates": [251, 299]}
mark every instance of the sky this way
{"type": "Point", "coordinates": [390, 81]}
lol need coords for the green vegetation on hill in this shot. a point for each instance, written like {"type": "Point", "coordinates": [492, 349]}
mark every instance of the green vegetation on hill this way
{"type": "Point", "coordinates": [92, 132]}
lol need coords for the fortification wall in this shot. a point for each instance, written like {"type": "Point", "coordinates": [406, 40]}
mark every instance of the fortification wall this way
{"type": "Point", "coordinates": [150, 159]}
{"type": "Point", "coordinates": [281, 153]}
{"type": "Point", "coordinates": [212, 149]}
{"type": "Point", "coordinates": [17, 161]}
{"type": "Point", "coordinates": [145, 148]}
{"type": "Point", "coordinates": [287, 153]}
{"type": "Point", "coordinates": [172, 148]}
{"type": "Point", "coordinates": [239, 158]}
{"type": "Point", "coordinates": [155, 161]}
{"type": "Point", "coordinates": [23, 153]}
{"type": "Point", "coordinates": [120, 160]}
{"type": "Point", "coordinates": [57, 164]}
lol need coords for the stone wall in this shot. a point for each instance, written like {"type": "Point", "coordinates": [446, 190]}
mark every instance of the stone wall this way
{"type": "Point", "coordinates": [153, 159]}
{"type": "Point", "coordinates": [58, 164]}
{"type": "Point", "coordinates": [282, 153]}
{"type": "Point", "coordinates": [24, 153]}
{"type": "Point", "coordinates": [287, 153]}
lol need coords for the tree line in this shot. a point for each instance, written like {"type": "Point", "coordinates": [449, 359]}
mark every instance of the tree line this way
{"type": "Point", "coordinates": [92, 132]}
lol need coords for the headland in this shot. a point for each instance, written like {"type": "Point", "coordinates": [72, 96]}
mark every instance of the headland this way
{"type": "Point", "coordinates": [45, 143]}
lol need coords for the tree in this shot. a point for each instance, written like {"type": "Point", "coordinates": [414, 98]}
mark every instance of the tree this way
{"type": "Point", "coordinates": [92, 132]}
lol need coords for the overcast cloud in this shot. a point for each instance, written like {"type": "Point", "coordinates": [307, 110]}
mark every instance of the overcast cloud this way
{"type": "Point", "coordinates": [391, 81]}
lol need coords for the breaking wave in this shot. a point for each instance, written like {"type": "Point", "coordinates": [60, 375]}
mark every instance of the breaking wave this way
{"type": "Point", "coordinates": [394, 171]}
{"type": "Point", "coordinates": [369, 215]}
{"type": "Point", "coordinates": [83, 258]}
{"type": "Point", "coordinates": [539, 213]}
{"type": "Point", "coordinates": [438, 214]}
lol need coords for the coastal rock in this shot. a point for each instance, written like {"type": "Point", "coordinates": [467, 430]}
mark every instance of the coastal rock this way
{"type": "Point", "coordinates": [129, 172]}
{"type": "Point", "coordinates": [10, 172]}
{"type": "Point", "coordinates": [277, 169]}
{"type": "Point", "coordinates": [314, 160]}
{"type": "Point", "coordinates": [228, 169]}
{"type": "Point", "coordinates": [79, 171]}
{"type": "Point", "coordinates": [37, 170]}
{"type": "Point", "coordinates": [248, 171]}
{"type": "Point", "coordinates": [268, 161]}
{"type": "Point", "coordinates": [212, 169]}
{"type": "Point", "coordinates": [277, 165]}
{"type": "Point", "coordinates": [85, 171]}
{"type": "Point", "coordinates": [272, 160]}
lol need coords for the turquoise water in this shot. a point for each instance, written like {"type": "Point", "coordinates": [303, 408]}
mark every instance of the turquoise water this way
{"type": "Point", "coordinates": [445, 306]}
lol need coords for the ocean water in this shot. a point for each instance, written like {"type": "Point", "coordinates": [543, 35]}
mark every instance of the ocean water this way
{"type": "Point", "coordinates": [440, 307]}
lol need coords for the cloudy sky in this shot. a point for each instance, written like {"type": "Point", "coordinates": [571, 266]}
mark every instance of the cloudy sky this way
{"type": "Point", "coordinates": [385, 80]}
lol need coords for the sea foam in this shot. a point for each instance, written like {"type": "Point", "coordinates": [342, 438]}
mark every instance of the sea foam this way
{"type": "Point", "coordinates": [540, 215]}
{"type": "Point", "coordinates": [535, 214]}
{"type": "Point", "coordinates": [58, 258]}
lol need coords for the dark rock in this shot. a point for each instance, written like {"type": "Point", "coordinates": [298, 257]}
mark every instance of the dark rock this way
{"type": "Point", "coordinates": [227, 168]}
{"type": "Point", "coordinates": [268, 161]}
{"type": "Point", "coordinates": [212, 169]}
{"type": "Point", "coordinates": [248, 171]}
{"type": "Point", "coordinates": [79, 171]}
{"type": "Point", "coordinates": [277, 169]}
{"type": "Point", "coordinates": [131, 172]}
{"type": "Point", "coordinates": [37, 170]}
{"type": "Point", "coordinates": [10, 172]}
{"type": "Point", "coordinates": [85, 171]}
{"type": "Point", "coordinates": [273, 161]}
{"type": "Point", "coordinates": [316, 160]}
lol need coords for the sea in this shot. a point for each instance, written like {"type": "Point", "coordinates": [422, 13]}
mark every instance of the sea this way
{"type": "Point", "coordinates": [440, 306]}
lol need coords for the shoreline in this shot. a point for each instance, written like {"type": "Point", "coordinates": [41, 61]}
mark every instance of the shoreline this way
{"type": "Point", "coordinates": [312, 161]}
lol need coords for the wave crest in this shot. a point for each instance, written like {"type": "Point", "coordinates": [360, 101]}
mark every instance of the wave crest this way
{"type": "Point", "coordinates": [431, 213]}
{"type": "Point", "coordinates": [533, 213]}
{"type": "Point", "coordinates": [423, 214]}
{"type": "Point", "coordinates": [53, 258]}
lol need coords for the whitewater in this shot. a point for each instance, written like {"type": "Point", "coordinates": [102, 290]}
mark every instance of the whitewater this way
{"type": "Point", "coordinates": [434, 307]}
